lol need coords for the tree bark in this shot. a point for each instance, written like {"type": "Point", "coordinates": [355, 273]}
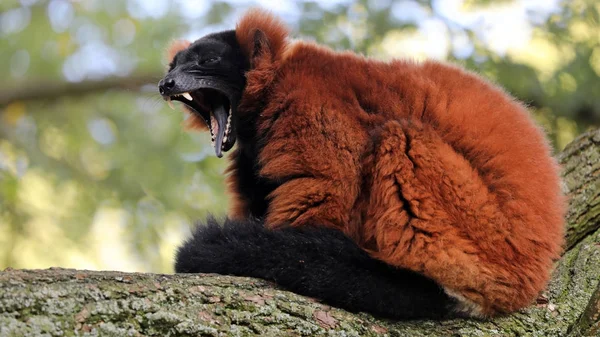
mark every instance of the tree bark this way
{"type": "Point", "coordinates": [59, 302]}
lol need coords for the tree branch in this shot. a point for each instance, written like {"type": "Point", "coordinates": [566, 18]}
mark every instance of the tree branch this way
{"type": "Point", "coordinates": [581, 166]}
{"type": "Point", "coordinates": [68, 302]}
{"type": "Point", "coordinates": [589, 322]}
{"type": "Point", "coordinates": [49, 90]}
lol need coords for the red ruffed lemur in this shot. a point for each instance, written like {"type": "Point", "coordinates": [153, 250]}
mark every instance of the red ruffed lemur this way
{"type": "Point", "coordinates": [407, 190]}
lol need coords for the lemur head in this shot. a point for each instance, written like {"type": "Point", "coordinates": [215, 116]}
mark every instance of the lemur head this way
{"type": "Point", "coordinates": [209, 75]}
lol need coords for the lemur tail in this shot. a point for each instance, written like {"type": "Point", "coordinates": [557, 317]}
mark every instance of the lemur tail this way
{"type": "Point", "coordinates": [316, 262]}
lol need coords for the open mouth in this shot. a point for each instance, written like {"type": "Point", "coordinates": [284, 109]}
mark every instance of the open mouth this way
{"type": "Point", "coordinates": [215, 109]}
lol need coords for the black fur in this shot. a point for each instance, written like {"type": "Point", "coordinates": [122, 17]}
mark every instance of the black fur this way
{"type": "Point", "coordinates": [217, 58]}
{"type": "Point", "coordinates": [253, 188]}
{"type": "Point", "coordinates": [313, 261]}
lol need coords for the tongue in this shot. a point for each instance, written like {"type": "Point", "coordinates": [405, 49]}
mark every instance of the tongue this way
{"type": "Point", "coordinates": [220, 115]}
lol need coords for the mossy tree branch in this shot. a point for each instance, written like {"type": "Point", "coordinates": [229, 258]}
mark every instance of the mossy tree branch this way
{"type": "Point", "coordinates": [70, 302]}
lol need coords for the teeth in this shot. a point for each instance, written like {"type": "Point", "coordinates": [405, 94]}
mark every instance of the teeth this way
{"type": "Point", "coordinates": [187, 96]}
{"type": "Point", "coordinates": [170, 104]}
{"type": "Point", "coordinates": [228, 126]}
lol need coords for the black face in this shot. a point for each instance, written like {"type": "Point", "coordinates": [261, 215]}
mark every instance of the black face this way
{"type": "Point", "coordinates": [208, 77]}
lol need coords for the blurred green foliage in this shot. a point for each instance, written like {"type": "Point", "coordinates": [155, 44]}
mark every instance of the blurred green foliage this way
{"type": "Point", "coordinates": [96, 172]}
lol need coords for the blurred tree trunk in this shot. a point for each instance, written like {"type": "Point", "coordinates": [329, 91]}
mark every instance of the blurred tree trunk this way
{"type": "Point", "coordinates": [71, 302]}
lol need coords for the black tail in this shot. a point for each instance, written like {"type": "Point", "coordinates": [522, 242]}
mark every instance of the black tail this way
{"type": "Point", "coordinates": [317, 262]}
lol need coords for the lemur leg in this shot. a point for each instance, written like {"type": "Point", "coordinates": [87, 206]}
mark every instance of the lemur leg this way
{"type": "Point", "coordinates": [430, 211]}
{"type": "Point", "coordinates": [315, 201]}
{"type": "Point", "coordinates": [316, 160]}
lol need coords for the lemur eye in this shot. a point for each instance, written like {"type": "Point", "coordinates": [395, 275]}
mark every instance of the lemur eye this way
{"type": "Point", "coordinates": [209, 60]}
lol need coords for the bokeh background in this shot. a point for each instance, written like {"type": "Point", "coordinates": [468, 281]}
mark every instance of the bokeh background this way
{"type": "Point", "coordinates": [95, 170]}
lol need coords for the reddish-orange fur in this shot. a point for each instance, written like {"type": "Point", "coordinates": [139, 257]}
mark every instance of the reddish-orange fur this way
{"type": "Point", "coordinates": [426, 166]}
{"type": "Point", "coordinates": [177, 46]}
{"type": "Point", "coordinates": [272, 32]}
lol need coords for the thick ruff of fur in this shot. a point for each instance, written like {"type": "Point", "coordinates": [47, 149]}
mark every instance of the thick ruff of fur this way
{"type": "Point", "coordinates": [425, 167]}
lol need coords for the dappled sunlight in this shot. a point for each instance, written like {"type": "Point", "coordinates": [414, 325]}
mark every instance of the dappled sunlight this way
{"type": "Point", "coordinates": [111, 242]}
{"type": "Point", "coordinates": [566, 131]}
{"type": "Point", "coordinates": [542, 55]}
{"type": "Point", "coordinates": [595, 59]}
{"type": "Point", "coordinates": [13, 113]}
{"type": "Point", "coordinates": [96, 162]}
{"type": "Point", "coordinates": [431, 42]}
{"type": "Point", "coordinates": [173, 232]}
{"type": "Point", "coordinates": [42, 244]}
{"type": "Point", "coordinates": [53, 142]}
{"type": "Point", "coordinates": [39, 196]}
{"type": "Point", "coordinates": [36, 194]}
{"type": "Point", "coordinates": [12, 161]}
{"type": "Point", "coordinates": [198, 193]}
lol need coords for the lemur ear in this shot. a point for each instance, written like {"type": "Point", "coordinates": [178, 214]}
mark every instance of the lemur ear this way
{"type": "Point", "coordinates": [175, 47]}
{"type": "Point", "coordinates": [260, 45]}
{"type": "Point", "coordinates": [261, 35]}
